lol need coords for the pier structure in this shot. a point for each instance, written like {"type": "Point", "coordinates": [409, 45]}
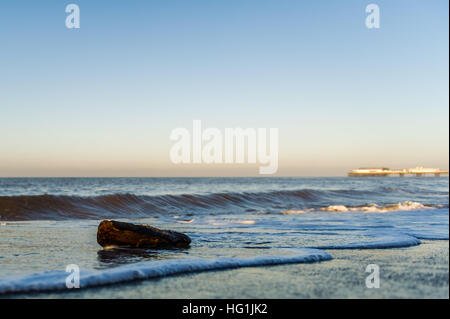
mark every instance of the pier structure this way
{"type": "Point", "coordinates": [373, 172]}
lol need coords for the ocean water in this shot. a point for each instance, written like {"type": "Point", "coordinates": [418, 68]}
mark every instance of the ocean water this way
{"type": "Point", "coordinates": [234, 223]}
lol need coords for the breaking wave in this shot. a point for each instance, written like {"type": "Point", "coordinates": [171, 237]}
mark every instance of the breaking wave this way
{"type": "Point", "coordinates": [374, 208]}
{"type": "Point", "coordinates": [61, 207]}
{"type": "Point", "coordinates": [369, 208]}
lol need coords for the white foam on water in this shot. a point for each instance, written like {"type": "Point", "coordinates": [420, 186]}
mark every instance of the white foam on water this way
{"type": "Point", "coordinates": [186, 221]}
{"type": "Point", "coordinates": [335, 208]}
{"type": "Point", "coordinates": [219, 223]}
{"type": "Point", "coordinates": [428, 236]}
{"type": "Point", "coordinates": [294, 211]}
{"type": "Point", "coordinates": [374, 208]}
{"type": "Point", "coordinates": [56, 280]}
{"type": "Point", "coordinates": [246, 222]}
{"type": "Point", "coordinates": [381, 240]}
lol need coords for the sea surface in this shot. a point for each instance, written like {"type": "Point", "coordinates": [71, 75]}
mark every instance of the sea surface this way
{"type": "Point", "coordinates": [47, 224]}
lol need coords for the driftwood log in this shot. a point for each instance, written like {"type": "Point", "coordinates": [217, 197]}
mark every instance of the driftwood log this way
{"type": "Point", "coordinates": [114, 233]}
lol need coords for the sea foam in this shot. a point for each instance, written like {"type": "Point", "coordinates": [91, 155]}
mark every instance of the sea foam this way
{"type": "Point", "coordinates": [374, 208]}
{"type": "Point", "coordinates": [56, 280]}
{"type": "Point", "coordinates": [380, 240]}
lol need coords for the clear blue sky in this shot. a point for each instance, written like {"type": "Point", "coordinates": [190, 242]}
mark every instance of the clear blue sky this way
{"type": "Point", "coordinates": [103, 99]}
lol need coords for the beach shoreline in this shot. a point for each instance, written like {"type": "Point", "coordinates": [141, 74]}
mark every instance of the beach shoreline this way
{"type": "Point", "coordinates": [239, 229]}
{"type": "Point", "coordinates": [414, 272]}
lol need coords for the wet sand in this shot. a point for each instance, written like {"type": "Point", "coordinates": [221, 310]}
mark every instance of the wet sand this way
{"type": "Point", "coordinates": [415, 272]}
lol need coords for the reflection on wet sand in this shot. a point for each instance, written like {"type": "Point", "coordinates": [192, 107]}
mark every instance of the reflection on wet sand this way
{"type": "Point", "coordinates": [111, 257]}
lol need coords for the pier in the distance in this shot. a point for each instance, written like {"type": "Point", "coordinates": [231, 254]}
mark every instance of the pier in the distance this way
{"type": "Point", "coordinates": [373, 172]}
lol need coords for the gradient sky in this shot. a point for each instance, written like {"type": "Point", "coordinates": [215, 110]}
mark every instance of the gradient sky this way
{"type": "Point", "coordinates": [103, 99]}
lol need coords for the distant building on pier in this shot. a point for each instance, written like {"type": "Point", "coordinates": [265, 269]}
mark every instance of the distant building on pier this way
{"type": "Point", "coordinates": [383, 171]}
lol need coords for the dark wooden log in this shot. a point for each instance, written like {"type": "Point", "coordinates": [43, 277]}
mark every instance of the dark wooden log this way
{"type": "Point", "coordinates": [114, 233]}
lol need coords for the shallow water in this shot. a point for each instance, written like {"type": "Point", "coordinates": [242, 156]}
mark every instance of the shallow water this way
{"type": "Point", "coordinates": [47, 224]}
